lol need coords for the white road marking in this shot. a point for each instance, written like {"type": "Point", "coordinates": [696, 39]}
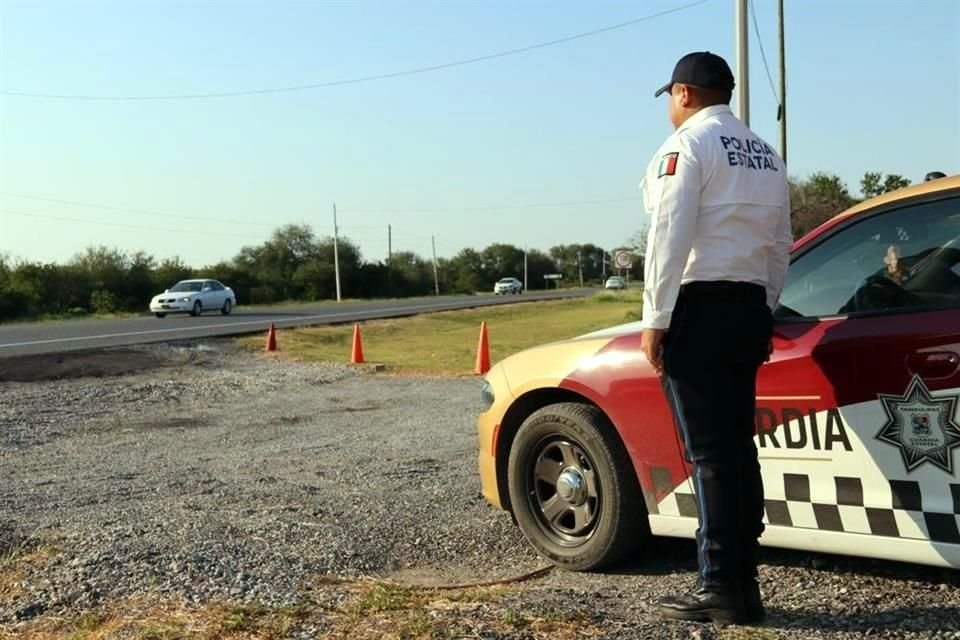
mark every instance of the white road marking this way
{"type": "Point", "coordinates": [328, 316]}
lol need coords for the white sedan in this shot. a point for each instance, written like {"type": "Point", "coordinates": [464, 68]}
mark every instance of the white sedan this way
{"type": "Point", "coordinates": [508, 285]}
{"type": "Point", "coordinates": [615, 282]}
{"type": "Point", "coordinates": [194, 297]}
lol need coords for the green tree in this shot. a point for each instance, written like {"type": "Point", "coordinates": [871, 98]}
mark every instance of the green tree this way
{"type": "Point", "coordinates": [501, 261]}
{"type": "Point", "coordinates": [171, 271]}
{"type": "Point", "coordinates": [468, 273]}
{"type": "Point", "coordinates": [816, 200]}
{"type": "Point", "coordinates": [875, 183]}
{"type": "Point", "coordinates": [539, 264]}
{"type": "Point", "coordinates": [410, 275]}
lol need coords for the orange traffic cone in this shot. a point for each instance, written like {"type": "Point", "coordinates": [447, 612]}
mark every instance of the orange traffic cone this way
{"type": "Point", "coordinates": [356, 357]}
{"type": "Point", "coordinates": [483, 351]}
{"type": "Point", "coordinates": [271, 339]}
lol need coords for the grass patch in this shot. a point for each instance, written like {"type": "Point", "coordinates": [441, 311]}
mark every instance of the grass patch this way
{"type": "Point", "coordinates": [748, 633]}
{"type": "Point", "coordinates": [446, 342]}
{"type": "Point", "coordinates": [380, 610]}
{"type": "Point", "coordinates": [357, 610]}
{"type": "Point", "coordinates": [171, 620]}
{"type": "Point", "coordinates": [17, 556]}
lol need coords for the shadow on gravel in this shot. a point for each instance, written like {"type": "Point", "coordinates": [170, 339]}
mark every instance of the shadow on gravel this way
{"type": "Point", "coordinates": [665, 556]}
{"type": "Point", "coordinates": [660, 556]}
{"type": "Point", "coordinates": [929, 620]}
{"type": "Point", "coordinates": [78, 364]}
{"type": "Point", "coordinates": [841, 565]}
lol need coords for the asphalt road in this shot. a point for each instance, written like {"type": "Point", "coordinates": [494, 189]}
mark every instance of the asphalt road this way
{"type": "Point", "coordinates": [71, 335]}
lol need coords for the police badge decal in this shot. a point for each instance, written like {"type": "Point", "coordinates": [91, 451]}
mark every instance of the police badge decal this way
{"type": "Point", "coordinates": [923, 427]}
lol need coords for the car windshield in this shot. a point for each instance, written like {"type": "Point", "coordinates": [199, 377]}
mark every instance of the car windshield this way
{"type": "Point", "coordinates": [187, 286]}
{"type": "Point", "coordinates": [505, 281]}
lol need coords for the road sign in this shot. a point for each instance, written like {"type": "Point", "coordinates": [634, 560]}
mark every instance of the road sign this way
{"type": "Point", "coordinates": [623, 260]}
{"type": "Point", "coordinates": [553, 276]}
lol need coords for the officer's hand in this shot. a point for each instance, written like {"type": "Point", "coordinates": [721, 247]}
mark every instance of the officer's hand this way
{"type": "Point", "coordinates": [651, 343]}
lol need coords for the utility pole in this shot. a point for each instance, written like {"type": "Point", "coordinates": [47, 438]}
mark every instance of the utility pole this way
{"type": "Point", "coordinates": [782, 115]}
{"type": "Point", "coordinates": [436, 281]}
{"type": "Point", "coordinates": [580, 267]}
{"type": "Point", "coordinates": [336, 252]}
{"type": "Point", "coordinates": [390, 259]}
{"type": "Point", "coordinates": [603, 262]}
{"type": "Point", "coordinates": [743, 71]}
{"type": "Point", "coordinates": [524, 267]}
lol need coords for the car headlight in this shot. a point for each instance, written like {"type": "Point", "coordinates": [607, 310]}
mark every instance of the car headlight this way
{"type": "Point", "coordinates": [486, 395]}
{"type": "Point", "coordinates": [187, 299]}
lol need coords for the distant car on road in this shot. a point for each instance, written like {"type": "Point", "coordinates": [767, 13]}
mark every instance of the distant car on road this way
{"type": "Point", "coordinates": [194, 297]}
{"type": "Point", "coordinates": [508, 285]}
{"type": "Point", "coordinates": [615, 282]}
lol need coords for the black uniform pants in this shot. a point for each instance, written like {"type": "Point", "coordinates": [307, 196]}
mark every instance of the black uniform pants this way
{"type": "Point", "coordinates": [718, 338]}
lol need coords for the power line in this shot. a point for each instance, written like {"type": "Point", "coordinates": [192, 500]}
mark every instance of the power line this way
{"type": "Point", "coordinates": [384, 76]}
{"type": "Point", "coordinates": [30, 214]}
{"type": "Point", "coordinates": [529, 205]}
{"type": "Point", "coordinates": [127, 210]}
{"type": "Point", "coordinates": [763, 55]}
{"type": "Point", "coordinates": [534, 205]}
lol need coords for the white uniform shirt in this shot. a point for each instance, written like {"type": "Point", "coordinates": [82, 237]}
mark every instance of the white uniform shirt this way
{"type": "Point", "coordinates": [720, 207]}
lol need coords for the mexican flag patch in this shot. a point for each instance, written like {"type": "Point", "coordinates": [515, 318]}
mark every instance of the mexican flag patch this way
{"type": "Point", "coordinates": [668, 164]}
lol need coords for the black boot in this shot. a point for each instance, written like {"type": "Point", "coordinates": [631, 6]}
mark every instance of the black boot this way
{"type": "Point", "coordinates": [725, 607]}
{"type": "Point", "coordinates": [753, 611]}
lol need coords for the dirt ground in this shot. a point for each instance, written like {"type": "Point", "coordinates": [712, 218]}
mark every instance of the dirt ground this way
{"type": "Point", "coordinates": [199, 490]}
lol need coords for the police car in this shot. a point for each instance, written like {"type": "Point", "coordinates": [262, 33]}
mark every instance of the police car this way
{"type": "Point", "coordinates": [857, 419]}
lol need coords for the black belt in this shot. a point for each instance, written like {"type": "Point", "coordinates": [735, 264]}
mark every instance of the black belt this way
{"type": "Point", "coordinates": [725, 290]}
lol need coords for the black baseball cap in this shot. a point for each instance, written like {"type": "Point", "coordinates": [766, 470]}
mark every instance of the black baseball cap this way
{"type": "Point", "coordinates": [700, 69]}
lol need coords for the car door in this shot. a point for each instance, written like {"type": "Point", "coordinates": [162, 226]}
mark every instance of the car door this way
{"type": "Point", "coordinates": [208, 295]}
{"type": "Point", "coordinates": [859, 411]}
{"type": "Point", "coordinates": [220, 294]}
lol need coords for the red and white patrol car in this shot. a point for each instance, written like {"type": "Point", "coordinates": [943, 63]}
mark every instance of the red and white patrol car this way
{"type": "Point", "coordinates": [858, 417]}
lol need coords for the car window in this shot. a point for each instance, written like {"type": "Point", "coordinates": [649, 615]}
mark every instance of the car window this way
{"type": "Point", "coordinates": [908, 258]}
{"type": "Point", "coordinates": [186, 286]}
{"type": "Point", "coordinates": [216, 286]}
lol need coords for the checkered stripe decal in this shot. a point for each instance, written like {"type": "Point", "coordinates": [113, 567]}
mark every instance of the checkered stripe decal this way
{"type": "Point", "coordinates": [905, 519]}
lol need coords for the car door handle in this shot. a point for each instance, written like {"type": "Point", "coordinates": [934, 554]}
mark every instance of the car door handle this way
{"type": "Point", "coordinates": [933, 364]}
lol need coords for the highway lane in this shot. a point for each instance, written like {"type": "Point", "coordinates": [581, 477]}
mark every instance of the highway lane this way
{"type": "Point", "coordinates": [71, 335]}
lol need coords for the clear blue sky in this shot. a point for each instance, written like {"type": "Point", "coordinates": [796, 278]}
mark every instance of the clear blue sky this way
{"type": "Point", "coordinates": [871, 86]}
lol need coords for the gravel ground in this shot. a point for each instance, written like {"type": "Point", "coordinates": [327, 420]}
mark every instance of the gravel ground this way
{"type": "Point", "coordinates": [207, 474]}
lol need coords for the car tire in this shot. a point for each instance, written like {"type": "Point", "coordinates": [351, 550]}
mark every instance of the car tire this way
{"type": "Point", "coordinates": [197, 309]}
{"type": "Point", "coordinates": [160, 315]}
{"type": "Point", "coordinates": [597, 516]}
{"type": "Point", "coordinates": [227, 307]}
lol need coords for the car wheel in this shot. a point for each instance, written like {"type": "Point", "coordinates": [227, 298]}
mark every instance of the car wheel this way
{"type": "Point", "coordinates": [197, 309]}
{"type": "Point", "coordinates": [161, 315]}
{"type": "Point", "coordinates": [227, 307]}
{"type": "Point", "coordinates": [573, 488]}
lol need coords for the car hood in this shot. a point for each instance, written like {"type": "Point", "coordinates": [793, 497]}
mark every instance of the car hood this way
{"type": "Point", "coordinates": [609, 353]}
{"type": "Point", "coordinates": [175, 294]}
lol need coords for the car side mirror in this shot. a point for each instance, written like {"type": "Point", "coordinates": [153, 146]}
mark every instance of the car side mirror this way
{"type": "Point", "coordinates": [166, 290]}
{"type": "Point", "coordinates": [207, 288]}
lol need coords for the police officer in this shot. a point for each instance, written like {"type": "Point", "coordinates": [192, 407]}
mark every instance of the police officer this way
{"type": "Point", "coordinates": [717, 255]}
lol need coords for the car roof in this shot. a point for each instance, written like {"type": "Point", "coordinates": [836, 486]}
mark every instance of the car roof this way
{"type": "Point", "coordinates": [931, 187]}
